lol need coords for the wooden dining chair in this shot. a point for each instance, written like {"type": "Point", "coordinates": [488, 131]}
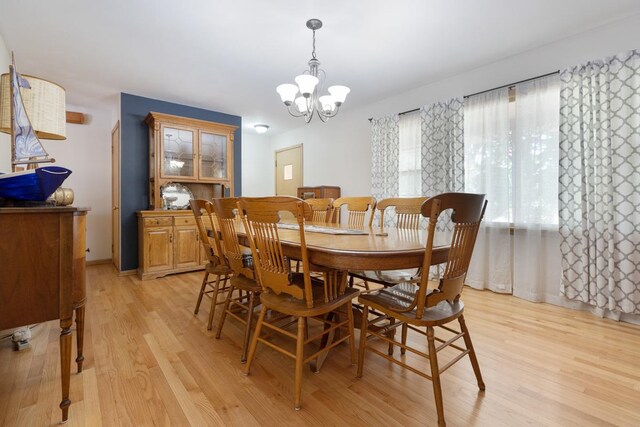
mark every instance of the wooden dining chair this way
{"type": "Point", "coordinates": [416, 307]}
{"type": "Point", "coordinates": [217, 265]}
{"type": "Point", "coordinates": [407, 217]}
{"type": "Point", "coordinates": [243, 280]}
{"type": "Point", "coordinates": [322, 210]}
{"type": "Point", "coordinates": [294, 295]}
{"type": "Point", "coordinates": [357, 209]}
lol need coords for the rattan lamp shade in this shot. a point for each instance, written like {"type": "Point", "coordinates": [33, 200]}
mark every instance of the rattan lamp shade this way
{"type": "Point", "coordinates": [44, 103]}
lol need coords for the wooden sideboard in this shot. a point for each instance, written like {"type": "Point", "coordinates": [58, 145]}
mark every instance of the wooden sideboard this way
{"type": "Point", "coordinates": [43, 276]}
{"type": "Point", "coordinates": [321, 192]}
{"type": "Point", "coordinates": [168, 242]}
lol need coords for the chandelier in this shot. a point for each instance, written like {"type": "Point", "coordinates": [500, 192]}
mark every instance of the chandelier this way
{"type": "Point", "coordinates": [302, 99]}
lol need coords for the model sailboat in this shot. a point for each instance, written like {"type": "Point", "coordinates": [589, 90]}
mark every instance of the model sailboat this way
{"type": "Point", "coordinates": [35, 183]}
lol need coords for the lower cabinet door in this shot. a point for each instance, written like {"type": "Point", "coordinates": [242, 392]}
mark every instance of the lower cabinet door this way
{"type": "Point", "coordinates": [158, 246]}
{"type": "Point", "coordinates": [186, 246]}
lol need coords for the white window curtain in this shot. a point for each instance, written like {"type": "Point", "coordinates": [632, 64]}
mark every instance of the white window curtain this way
{"type": "Point", "coordinates": [536, 241]}
{"type": "Point", "coordinates": [487, 169]}
{"type": "Point", "coordinates": [511, 155]}
{"type": "Point", "coordinates": [409, 157]}
{"type": "Point", "coordinates": [600, 183]}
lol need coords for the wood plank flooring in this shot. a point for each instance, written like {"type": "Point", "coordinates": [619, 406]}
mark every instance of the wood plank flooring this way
{"type": "Point", "coordinates": [150, 361]}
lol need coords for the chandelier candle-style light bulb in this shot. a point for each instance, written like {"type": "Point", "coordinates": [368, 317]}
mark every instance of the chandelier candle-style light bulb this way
{"type": "Point", "coordinates": [304, 98]}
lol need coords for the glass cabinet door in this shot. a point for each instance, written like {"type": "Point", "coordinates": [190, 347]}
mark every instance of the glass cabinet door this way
{"type": "Point", "coordinates": [213, 156]}
{"type": "Point", "coordinates": [178, 152]}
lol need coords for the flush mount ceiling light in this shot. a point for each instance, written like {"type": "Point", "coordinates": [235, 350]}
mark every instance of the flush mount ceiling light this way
{"type": "Point", "coordinates": [303, 99]}
{"type": "Point", "coordinates": [261, 128]}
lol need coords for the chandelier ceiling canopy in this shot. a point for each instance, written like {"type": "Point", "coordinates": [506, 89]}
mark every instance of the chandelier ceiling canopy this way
{"type": "Point", "coordinates": [303, 99]}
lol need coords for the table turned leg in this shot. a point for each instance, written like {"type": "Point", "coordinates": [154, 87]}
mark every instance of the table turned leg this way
{"type": "Point", "coordinates": [80, 336]}
{"type": "Point", "coordinates": [65, 366]}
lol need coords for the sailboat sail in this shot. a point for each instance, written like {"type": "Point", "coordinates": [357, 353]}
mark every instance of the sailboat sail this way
{"type": "Point", "coordinates": [26, 145]}
{"type": "Point", "coordinates": [31, 185]}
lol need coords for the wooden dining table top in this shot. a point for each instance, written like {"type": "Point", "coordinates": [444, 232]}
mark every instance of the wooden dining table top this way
{"type": "Point", "coordinates": [375, 249]}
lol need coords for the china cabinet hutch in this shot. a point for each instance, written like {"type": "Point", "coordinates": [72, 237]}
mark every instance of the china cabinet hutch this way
{"type": "Point", "coordinates": [197, 155]}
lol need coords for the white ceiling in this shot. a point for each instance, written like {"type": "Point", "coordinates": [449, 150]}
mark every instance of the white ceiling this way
{"type": "Point", "coordinates": [229, 56]}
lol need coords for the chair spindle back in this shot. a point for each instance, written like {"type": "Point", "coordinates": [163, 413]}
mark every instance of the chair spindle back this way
{"type": "Point", "coordinates": [260, 217]}
{"type": "Point", "coordinates": [322, 209]}
{"type": "Point", "coordinates": [408, 211]}
{"type": "Point", "coordinates": [357, 208]}
{"type": "Point", "coordinates": [225, 212]}
{"type": "Point", "coordinates": [467, 213]}
{"type": "Point", "coordinates": [203, 211]}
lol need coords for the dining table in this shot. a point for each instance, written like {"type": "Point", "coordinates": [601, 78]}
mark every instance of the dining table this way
{"type": "Point", "coordinates": [345, 248]}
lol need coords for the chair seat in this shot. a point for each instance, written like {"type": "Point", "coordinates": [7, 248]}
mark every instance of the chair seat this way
{"type": "Point", "coordinates": [388, 277]}
{"type": "Point", "coordinates": [245, 284]}
{"type": "Point", "coordinates": [287, 304]}
{"type": "Point", "coordinates": [398, 297]}
{"type": "Point", "coordinates": [218, 269]}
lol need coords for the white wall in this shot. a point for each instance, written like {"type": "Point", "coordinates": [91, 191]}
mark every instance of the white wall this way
{"type": "Point", "coordinates": [5, 140]}
{"type": "Point", "coordinates": [338, 152]}
{"type": "Point", "coordinates": [87, 153]}
{"type": "Point", "coordinates": [256, 167]}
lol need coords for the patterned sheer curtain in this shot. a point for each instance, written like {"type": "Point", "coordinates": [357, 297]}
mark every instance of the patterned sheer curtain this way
{"type": "Point", "coordinates": [487, 170]}
{"type": "Point", "coordinates": [599, 198]}
{"type": "Point", "coordinates": [385, 141]}
{"type": "Point", "coordinates": [442, 147]}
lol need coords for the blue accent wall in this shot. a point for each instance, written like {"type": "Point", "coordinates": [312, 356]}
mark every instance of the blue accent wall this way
{"type": "Point", "coordinates": [134, 161]}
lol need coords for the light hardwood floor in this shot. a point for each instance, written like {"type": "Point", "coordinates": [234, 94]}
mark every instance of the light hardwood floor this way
{"type": "Point", "coordinates": [150, 361]}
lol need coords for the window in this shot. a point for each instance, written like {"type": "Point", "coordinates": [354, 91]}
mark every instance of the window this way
{"type": "Point", "coordinates": [511, 152]}
{"type": "Point", "coordinates": [410, 159]}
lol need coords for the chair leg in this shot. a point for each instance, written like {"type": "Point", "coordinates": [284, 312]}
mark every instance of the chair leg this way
{"type": "Point", "coordinates": [435, 375]}
{"type": "Point", "coordinates": [225, 309]}
{"type": "Point", "coordinates": [352, 335]}
{"type": "Point", "coordinates": [214, 302]}
{"type": "Point", "coordinates": [247, 328]}
{"type": "Point", "coordinates": [405, 328]}
{"type": "Point", "coordinates": [254, 341]}
{"type": "Point", "coordinates": [299, 360]}
{"type": "Point", "coordinates": [472, 352]}
{"type": "Point", "coordinates": [391, 335]}
{"type": "Point", "coordinates": [364, 325]}
{"type": "Point", "coordinates": [204, 285]}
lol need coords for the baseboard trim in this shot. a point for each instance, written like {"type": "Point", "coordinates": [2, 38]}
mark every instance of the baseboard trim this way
{"type": "Point", "coordinates": [99, 261]}
{"type": "Point", "coordinates": [127, 272]}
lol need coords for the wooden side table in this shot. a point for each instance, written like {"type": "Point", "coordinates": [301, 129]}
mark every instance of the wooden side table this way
{"type": "Point", "coordinates": [320, 192]}
{"type": "Point", "coordinates": [43, 276]}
